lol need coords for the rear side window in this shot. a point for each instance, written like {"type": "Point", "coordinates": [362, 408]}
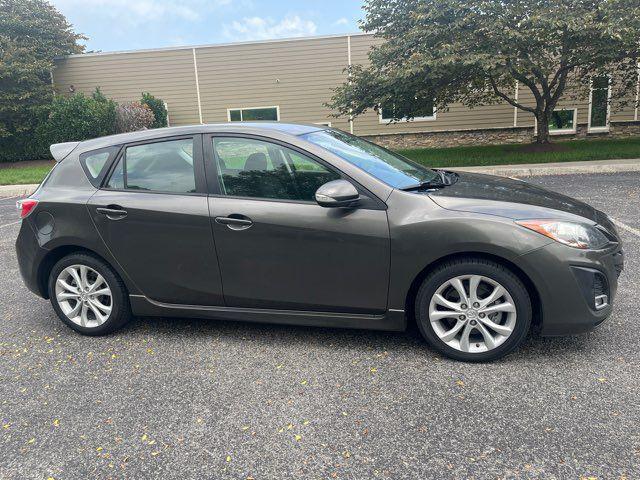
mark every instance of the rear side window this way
{"type": "Point", "coordinates": [96, 162]}
{"type": "Point", "coordinates": [160, 167]}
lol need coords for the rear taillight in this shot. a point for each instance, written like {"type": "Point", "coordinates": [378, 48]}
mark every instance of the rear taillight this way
{"type": "Point", "coordinates": [25, 206]}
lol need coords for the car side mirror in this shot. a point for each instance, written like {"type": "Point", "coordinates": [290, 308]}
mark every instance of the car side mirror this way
{"type": "Point", "coordinates": [337, 193]}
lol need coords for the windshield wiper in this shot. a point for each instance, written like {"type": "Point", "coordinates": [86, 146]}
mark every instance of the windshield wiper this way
{"type": "Point", "coordinates": [444, 179]}
{"type": "Point", "coordinates": [435, 183]}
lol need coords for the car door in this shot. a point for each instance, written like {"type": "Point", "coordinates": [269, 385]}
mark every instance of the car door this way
{"type": "Point", "coordinates": [277, 248]}
{"type": "Point", "coordinates": [153, 215]}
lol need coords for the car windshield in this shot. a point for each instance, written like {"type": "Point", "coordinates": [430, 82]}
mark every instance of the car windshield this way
{"type": "Point", "coordinates": [389, 167]}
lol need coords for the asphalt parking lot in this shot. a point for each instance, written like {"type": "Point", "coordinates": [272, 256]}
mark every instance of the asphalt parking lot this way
{"type": "Point", "coordinates": [167, 398]}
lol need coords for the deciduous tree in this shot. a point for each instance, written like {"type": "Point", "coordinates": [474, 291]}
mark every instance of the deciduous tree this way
{"type": "Point", "coordinates": [439, 52]}
{"type": "Point", "coordinates": [32, 34]}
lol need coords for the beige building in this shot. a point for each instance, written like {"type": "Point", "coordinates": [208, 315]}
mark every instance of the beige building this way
{"type": "Point", "coordinates": [290, 80]}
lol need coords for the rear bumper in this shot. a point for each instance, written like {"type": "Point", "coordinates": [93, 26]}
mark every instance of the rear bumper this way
{"type": "Point", "coordinates": [30, 255]}
{"type": "Point", "coordinates": [568, 280]}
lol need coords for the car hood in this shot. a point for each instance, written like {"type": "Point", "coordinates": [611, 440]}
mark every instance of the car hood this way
{"type": "Point", "coordinates": [510, 198]}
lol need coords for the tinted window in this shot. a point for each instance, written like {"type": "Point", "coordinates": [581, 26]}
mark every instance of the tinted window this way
{"type": "Point", "coordinates": [253, 114]}
{"type": "Point", "coordinates": [392, 112]}
{"type": "Point", "coordinates": [599, 101]}
{"type": "Point", "coordinates": [562, 120]}
{"type": "Point", "coordinates": [161, 167]}
{"type": "Point", "coordinates": [389, 167]}
{"type": "Point", "coordinates": [253, 168]}
{"type": "Point", "coordinates": [117, 177]}
{"type": "Point", "coordinates": [94, 163]}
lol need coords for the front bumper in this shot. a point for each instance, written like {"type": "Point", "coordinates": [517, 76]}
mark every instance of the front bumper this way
{"type": "Point", "coordinates": [568, 281]}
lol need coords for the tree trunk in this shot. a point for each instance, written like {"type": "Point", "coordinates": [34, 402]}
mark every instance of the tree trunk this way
{"type": "Point", "coordinates": [542, 138]}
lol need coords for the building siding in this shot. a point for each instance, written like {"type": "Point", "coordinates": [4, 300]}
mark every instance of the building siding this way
{"type": "Point", "coordinates": [297, 75]}
{"type": "Point", "coordinates": [166, 74]}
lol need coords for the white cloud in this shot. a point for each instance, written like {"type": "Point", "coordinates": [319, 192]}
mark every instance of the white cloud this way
{"type": "Point", "coordinates": [135, 12]}
{"type": "Point", "coordinates": [341, 21]}
{"type": "Point", "coordinates": [259, 28]}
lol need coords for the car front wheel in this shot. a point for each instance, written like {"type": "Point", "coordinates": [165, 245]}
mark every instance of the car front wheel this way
{"type": "Point", "coordinates": [88, 295]}
{"type": "Point", "coordinates": [473, 309]}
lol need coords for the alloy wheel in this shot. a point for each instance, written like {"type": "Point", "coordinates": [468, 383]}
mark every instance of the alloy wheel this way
{"type": "Point", "coordinates": [472, 313]}
{"type": "Point", "coordinates": [83, 296]}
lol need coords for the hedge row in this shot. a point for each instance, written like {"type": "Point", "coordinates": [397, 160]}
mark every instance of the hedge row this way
{"type": "Point", "coordinates": [80, 117]}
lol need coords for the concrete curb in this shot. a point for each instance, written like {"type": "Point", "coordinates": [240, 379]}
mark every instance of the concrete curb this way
{"type": "Point", "coordinates": [563, 168]}
{"type": "Point", "coordinates": [17, 190]}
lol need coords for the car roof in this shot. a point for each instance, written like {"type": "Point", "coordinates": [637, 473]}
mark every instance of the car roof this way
{"type": "Point", "coordinates": [256, 128]}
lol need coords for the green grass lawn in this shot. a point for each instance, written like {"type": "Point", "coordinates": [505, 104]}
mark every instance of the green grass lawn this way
{"type": "Point", "coordinates": [20, 175]}
{"type": "Point", "coordinates": [576, 150]}
{"type": "Point", "coordinates": [434, 157]}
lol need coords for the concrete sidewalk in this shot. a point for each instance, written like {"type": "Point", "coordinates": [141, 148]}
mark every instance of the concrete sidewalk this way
{"type": "Point", "coordinates": [17, 190]}
{"type": "Point", "coordinates": [559, 168]}
{"type": "Point", "coordinates": [525, 170]}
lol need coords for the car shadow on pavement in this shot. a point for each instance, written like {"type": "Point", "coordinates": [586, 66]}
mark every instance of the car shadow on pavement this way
{"type": "Point", "coordinates": [306, 337]}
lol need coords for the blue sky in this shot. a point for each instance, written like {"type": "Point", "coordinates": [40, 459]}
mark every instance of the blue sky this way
{"type": "Point", "coordinates": [135, 24]}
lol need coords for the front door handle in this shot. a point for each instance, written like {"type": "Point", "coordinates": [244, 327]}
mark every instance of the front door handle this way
{"type": "Point", "coordinates": [112, 212]}
{"type": "Point", "coordinates": [235, 221]}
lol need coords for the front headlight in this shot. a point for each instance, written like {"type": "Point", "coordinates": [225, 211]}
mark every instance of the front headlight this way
{"type": "Point", "coordinates": [577, 235]}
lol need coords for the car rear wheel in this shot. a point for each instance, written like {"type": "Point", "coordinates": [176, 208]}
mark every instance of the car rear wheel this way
{"type": "Point", "coordinates": [88, 295]}
{"type": "Point", "coordinates": [473, 309]}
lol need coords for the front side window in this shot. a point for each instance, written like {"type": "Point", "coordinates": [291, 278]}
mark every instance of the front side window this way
{"type": "Point", "coordinates": [253, 114]}
{"type": "Point", "coordinates": [563, 121]}
{"type": "Point", "coordinates": [389, 167]}
{"type": "Point", "coordinates": [254, 168]}
{"type": "Point", "coordinates": [599, 102]}
{"type": "Point", "coordinates": [159, 167]}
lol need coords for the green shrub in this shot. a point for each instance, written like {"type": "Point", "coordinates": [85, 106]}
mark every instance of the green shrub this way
{"type": "Point", "coordinates": [157, 107]}
{"type": "Point", "coordinates": [133, 116]}
{"type": "Point", "coordinates": [79, 117]}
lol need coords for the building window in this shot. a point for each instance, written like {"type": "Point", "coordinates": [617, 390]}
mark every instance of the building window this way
{"type": "Point", "coordinates": [253, 113]}
{"type": "Point", "coordinates": [563, 121]}
{"type": "Point", "coordinates": [599, 104]}
{"type": "Point", "coordinates": [387, 114]}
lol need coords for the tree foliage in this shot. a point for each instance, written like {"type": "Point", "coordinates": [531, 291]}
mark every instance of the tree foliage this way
{"type": "Point", "coordinates": [473, 52]}
{"type": "Point", "coordinates": [32, 34]}
{"type": "Point", "coordinates": [157, 107]}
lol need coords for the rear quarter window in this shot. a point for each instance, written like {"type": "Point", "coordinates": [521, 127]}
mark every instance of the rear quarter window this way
{"type": "Point", "coordinates": [96, 163]}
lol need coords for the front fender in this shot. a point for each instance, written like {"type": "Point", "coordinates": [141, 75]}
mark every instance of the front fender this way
{"type": "Point", "coordinates": [422, 233]}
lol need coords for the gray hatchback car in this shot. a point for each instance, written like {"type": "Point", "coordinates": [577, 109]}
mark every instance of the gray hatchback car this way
{"type": "Point", "coordinates": [307, 225]}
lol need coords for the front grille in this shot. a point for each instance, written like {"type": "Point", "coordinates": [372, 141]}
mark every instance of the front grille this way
{"type": "Point", "coordinates": [599, 285]}
{"type": "Point", "coordinates": [600, 291]}
{"type": "Point", "coordinates": [593, 285]}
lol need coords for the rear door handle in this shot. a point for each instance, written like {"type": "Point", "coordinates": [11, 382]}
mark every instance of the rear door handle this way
{"type": "Point", "coordinates": [112, 213]}
{"type": "Point", "coordinates": [235, 221]}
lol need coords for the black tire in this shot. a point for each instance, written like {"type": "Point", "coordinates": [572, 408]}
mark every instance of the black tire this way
{"type": "Point", "coordinates": [474, 266]}
{"type": "Point", "coordinates": [120, 308]}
